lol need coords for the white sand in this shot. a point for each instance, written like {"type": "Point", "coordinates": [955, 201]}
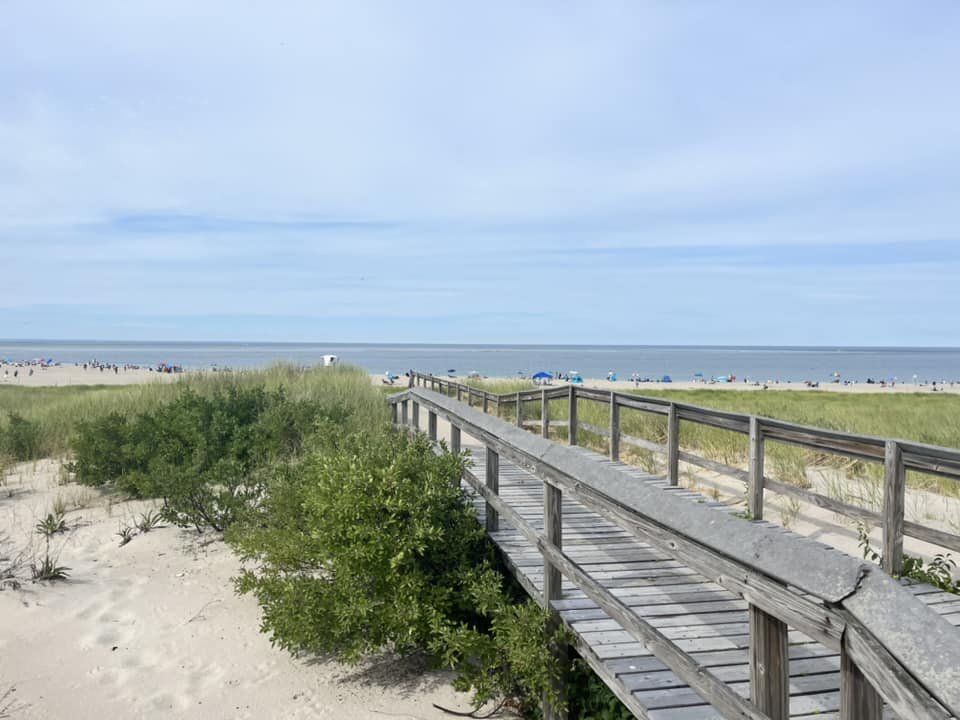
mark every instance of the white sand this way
{"type": "Point", "coordinates": [72, 375]}
{"type": "Point", "coordinates": [625, 385]}
{"type": "Point", "coordinates": [154, 630]}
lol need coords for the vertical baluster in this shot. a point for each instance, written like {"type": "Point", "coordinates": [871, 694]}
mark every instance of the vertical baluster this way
{"type": "Point", "coordinates": [673, 445]}
{"type": "Point", "coordinates": [493, 483]}
{"type": "Point", "coordinates": [614, 427]}
{"type": "Point", "coordinates": [544, 414]}
{"type": "Point", "coordinates": [755, 476]}
{"type": "Point", "coordinates": [519, 411]}
{"type": "Point", "coordinates": [573, 415]}
{"type": "Point", "coordinates": [769, 668]}
{"type": "Point", "coordinates": [858, 699]}
{"type": "Point", "coordinates": [405, 420]}
{"type": "Point", "coordinates": [415, 412]}
{"type": "Point", "coordinates": [552, 590]}
{"type": "Point", "coordinates": [894, 489]}
{"type": "Point", "coordinates": [432, 425]}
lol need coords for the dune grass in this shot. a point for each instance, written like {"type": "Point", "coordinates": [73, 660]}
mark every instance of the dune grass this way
{"type": "Point", "coordinates": [56, 411]}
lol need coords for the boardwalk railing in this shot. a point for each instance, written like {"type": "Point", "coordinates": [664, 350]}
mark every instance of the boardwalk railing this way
{"type": "Point", "coordinates": [897, 456]}
{"type": "Point", "coordinates": [893, 647]}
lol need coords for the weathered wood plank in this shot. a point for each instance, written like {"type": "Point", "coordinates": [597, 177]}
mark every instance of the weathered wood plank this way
{"type": "Point", "coordinates": [769, 666]}
{"type": "Point", "coordinates": [894, 492]}
{"type": "Point", "coordinates": [755, 477]}
{"type": "Point", "coordinates": [492, 472]}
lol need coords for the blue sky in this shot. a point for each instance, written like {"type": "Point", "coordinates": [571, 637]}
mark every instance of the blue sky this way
{"type": "Point", "coordinates": [636, 172]}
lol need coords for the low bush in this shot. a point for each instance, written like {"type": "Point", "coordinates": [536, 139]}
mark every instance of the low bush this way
{"type": "Point", "coordinates": [368, 545]}
{"type": "Point", "coordinates": [202, 454]}
{"type": "Point", "coordinates": [20, 438]}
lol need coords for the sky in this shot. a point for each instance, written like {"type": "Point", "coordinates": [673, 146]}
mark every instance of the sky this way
{"type": "Point", "coordinates": [501, 172]}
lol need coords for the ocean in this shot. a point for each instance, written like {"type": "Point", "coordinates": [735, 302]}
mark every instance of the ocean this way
{"type": "Point", "coordinates": [653, 361]}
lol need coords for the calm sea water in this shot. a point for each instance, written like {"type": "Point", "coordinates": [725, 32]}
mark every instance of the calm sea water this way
{"type": "Point", "coordinates": [680, 362]}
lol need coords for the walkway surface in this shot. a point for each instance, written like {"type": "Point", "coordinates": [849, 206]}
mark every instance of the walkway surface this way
{"type": "Point", "coordinates": [699, 616]}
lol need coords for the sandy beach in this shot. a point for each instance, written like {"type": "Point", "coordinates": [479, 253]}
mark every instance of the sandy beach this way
{"type": "Point", "coordinates": [61, 375]}
{"type": "Point", "coordinates": [153, 629]}
{"type": "Point", "coordinates": [627, 385]}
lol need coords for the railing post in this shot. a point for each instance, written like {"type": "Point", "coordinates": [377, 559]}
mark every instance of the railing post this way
{"type": "Point", "coordinates": [552, 590]}
{"type": "Point", "coordinates": [493, 484]}
{"type": "Point", "coordinates": [486, 402]}
{"type": "Point", "coordinates": [894, 488]}
{"type": "Point", "coordinates": [415, 412]}
{"type": "Point", "coordinates": [673, 445]}
{"type": "Point", "coordinates": [519, 411]}
{"type": "Point", "coordinates": [769, 665]}
{"type": "Point", "coordinates": [544, 414]}
{"type": "Point", "coordinates": [573, 415]}
{"type": "Point", "coordinates": [459, 393]}
{"type": "Point", "coordinates": [405, 420]}
{"type": "Point", "coordinates": [614, 427]}
{"type": "Point", "coordinates": [755, 476]}
{"type": "Point", "coordinates": [432, 425]}
{"type": "Point", "coordinates": [858, 699]}
{"type": "Point", "coordinates": [393, 413]}
{"type": "Point", "coordinates": [454, 439]}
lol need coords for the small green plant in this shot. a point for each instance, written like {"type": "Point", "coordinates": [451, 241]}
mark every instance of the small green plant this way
{"type": "Point", "coordinates": [52, 524]}
{"type": "Point", "coordinates": [49, 570]}
{"type": "Point", "coordinates": [126, 533]}
{"type": "Point", "coordinates": [59, 505]}
{"type": "Point", "coordinates": [148, 521]}
{"type": "Point", "coordinates": [938, 572]}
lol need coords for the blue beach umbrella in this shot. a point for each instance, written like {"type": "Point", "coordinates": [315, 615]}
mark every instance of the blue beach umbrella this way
{"type": "Point", "coordinates": [542, 375]}
{"type": "Point", "coordinates": [667, 378]}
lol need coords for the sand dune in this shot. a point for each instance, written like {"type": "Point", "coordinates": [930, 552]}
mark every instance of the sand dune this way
{"type": "Point", "coordinates": [154, 630]}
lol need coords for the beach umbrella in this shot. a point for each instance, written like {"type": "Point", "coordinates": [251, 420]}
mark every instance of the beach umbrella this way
{"type": "Point", "coordinates": [698, 375]}
{"type": "Point", "coordinates": [667, 378]}
{"type": "Point", "coordinates": [542, 375]}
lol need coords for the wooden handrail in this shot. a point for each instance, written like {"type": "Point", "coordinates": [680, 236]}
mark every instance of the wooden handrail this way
{"type": "Point", "coordinates": [930, 459]}
{"type": "Point", "coordinates": [907, 653]}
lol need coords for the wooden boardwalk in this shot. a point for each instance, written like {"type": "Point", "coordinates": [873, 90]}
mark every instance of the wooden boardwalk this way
{"type": "Point", "coordinates": [702, 618]}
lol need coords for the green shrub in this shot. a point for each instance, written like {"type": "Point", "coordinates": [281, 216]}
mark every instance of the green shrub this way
{"type": "Point", "coordinates": [202, 454]}
{"type": "Point", "coordinates": [20, 439]}
{"type": "Point", "coordinates": [100, 450]}
{"type": "Point", "coordinates": [369, 545]}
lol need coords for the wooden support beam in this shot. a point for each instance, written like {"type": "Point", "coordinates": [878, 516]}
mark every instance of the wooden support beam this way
{"type": "Point", "coordinates": [454, 439]}
{"type": "Point", "coordinates": [573, 415]}
{"type": "Point", "coordinates": [393, 413]}
{"type": "Point", "coordinates": [552, 590]}
{"type": "Point", "coordinates": [858, 699]}
{"type": "Point", "coordinates": [432, 425]}
{"type": "Point", "coordinates": [493, 483]}
{"type": "Point", "coordinates": [405, 420]}
{"type": "Point", "coordinates": [415, 412]}
{"type": "Point", "coordinates": [486, 401]}
{"type": "Point", "coordinates": [544, 414]}
{"type": "Point", "coordinates": [769, 665]}
{"type": "Point", "coordinates": [673, 445]}
{"type": "Point", "coordinates": [894, 489]}
{"type": "Point", "coordinates": [755, 478]}
{"type": "Point", "coordinates": [459, 393]}
{"type": "Point", "coordinates": [519, 411]}
{"type": "Point", "coordinates": [614, 427]}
